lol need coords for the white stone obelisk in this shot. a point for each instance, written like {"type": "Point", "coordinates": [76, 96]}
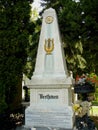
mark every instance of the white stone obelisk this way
{"type": "Point", "coordinates": [50, 85]}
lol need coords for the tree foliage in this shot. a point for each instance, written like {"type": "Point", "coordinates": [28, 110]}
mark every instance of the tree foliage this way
{"type": "Point", "coordinates": [78, 23]}
{"type": "Point", "coordinates": [14, 39]}
{"type": "Point", "coordinates": [32, 48]}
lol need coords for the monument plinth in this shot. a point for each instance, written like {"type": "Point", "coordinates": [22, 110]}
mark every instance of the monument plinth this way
{"type": "Point", "coordinates": [50, 85]}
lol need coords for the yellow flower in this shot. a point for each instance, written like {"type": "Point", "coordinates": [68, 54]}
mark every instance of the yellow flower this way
{"type": "Point", "coordinates": [76, 107]}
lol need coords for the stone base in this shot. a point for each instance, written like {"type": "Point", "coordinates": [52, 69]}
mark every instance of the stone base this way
{"type": "Point", "coordinates": [41, 128]}
{"type": "Point", "coordinates": [51, 118]}
{"type": "Point", "coordinates": [46, 128]}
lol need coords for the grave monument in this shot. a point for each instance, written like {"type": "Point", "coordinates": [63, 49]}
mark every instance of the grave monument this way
{"type": "Point", "coordinates": [50, 85]}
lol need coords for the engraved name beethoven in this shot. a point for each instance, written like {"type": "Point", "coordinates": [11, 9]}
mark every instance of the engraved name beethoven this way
{"type": "Point", "coordinates": [48, 96]}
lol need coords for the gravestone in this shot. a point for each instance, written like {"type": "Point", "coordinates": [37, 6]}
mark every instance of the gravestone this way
{"type": "Point", "coordinates": [50, 85]}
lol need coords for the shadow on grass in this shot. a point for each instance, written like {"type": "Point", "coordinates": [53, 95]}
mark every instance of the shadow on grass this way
{"type": "Point", "coordinates": [95, 119]}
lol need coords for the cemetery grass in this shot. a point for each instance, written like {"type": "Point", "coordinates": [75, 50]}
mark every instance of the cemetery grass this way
{"type": "Point", "coordinates": [94, 111]}
{"type": "Point", "coordinates": [94, 115]}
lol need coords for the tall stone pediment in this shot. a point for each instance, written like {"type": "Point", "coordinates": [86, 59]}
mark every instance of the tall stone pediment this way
{"type": "Point", "coordinates": [50, 58]}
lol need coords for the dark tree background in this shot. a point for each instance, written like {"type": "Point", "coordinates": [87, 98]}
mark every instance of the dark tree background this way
{"type": "Point", "coordinates": [15, 28]}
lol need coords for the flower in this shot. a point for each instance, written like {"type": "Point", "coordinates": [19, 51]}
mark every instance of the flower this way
{"type": "Point", "coordinates": [77, 108]}
{"type": "Point", "coordinates": [85, 83]}
{"type": "Point", "coordinates": [82, 108]}
{"type": "Point", "coordinates": [90, 79]}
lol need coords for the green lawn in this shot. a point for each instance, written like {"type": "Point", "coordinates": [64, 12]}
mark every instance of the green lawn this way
{"type": "Point", "coordinates": [94, 111]}
{"type": "Point", "coordinates": [94, 114]}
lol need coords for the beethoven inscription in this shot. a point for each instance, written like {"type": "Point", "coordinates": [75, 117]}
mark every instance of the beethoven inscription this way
{"type": "Point", "coordinates": [48, 96]}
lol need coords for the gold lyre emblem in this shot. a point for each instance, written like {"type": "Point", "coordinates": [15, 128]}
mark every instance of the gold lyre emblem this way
{"type": "Point", "coordinates": [49, 45]}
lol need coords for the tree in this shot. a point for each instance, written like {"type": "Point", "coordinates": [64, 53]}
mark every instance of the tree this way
{"type": "Point", "coordinates": [79, 30]}
{"type": "Point", "coordinates": [33, 42]}
{"type": "Point", "coordinates": [90, 34]}
{"type": "Point", "coordinates": [15, 29]}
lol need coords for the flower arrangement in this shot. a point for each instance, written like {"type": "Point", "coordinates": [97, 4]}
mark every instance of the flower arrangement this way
{"type": "Point", "coordinates": [86, 83]}
{"type": "Point", "coordinates": [82, 108]}
{"type": "Point", "coordinates": [85, 88]}
{"type": "Point", "coordinates": [91, 79]}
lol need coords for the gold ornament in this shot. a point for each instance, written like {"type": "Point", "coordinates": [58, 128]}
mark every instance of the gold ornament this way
{"type": "Point", "coordinates": [49, 19]}
{"type": "Point", "coordinates": [49, 45]}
